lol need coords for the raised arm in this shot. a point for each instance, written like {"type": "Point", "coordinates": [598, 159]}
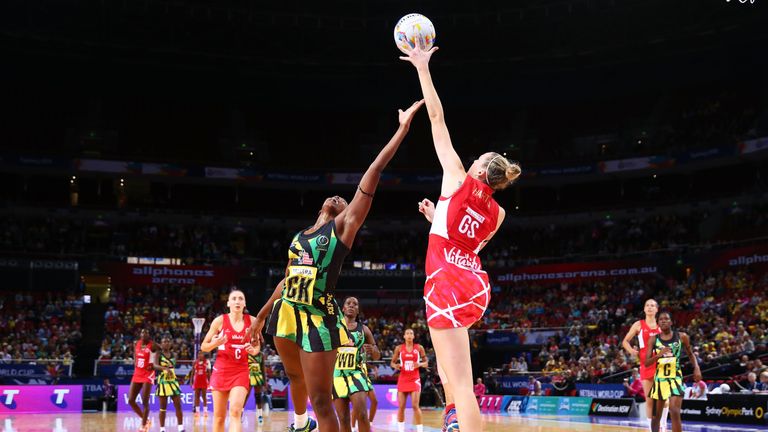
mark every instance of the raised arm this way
{"type": "Point", "coordinates": [453, 170]}
{"type": "Point", "coordinates": [633, 331]}
{"type": "Point", "coordinates": [349, 221]}
{"type": "Point", "coordinates": [258, 322]}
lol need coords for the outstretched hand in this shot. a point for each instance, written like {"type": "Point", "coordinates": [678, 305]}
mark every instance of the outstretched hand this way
{"type": "Point", "coordinates": [418, 56]}
{"type": "Point", "coordinates": [405, 117]}
{"type": "Point", "coordinates": [427, 208]}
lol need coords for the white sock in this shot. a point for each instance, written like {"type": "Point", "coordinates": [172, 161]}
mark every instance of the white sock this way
{"type": "Point", "coordinates": [300, 420]}
{"type": "Point", "coordinates": [162, 429]}
{"type": "Point", "coordinates": [181, 428]}
{"type": "Point", "coordinates": [649, 424]}
{"type": "Point", "coordinates": [663, 423]}
{"type": "Point", "coordinates": [205, 408]}
{"type": "Point", "coordinates": [261, 412]}
{"type": "Point", "coordinates": [419, 428]}
{"type": "Point", "coordinates": [354, 428]}
{"type": "Point", "coordinates": [400, 426]}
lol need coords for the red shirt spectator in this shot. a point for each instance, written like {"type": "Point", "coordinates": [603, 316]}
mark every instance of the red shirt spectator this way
{"type": "Point", "coordinates": [479, 388]}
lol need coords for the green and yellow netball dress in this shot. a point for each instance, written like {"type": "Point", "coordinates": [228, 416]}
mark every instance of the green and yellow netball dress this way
{"type": "Point", "coordinates": [254, 369]}
{"type": "Point", "coordinates": [307, 313]}
{"type": "Point", "coordinates": [348, 375]}
{"type": "Point", "coordinates": [167, 383]}
{"type": "Point", "coordinates": [668, 380]}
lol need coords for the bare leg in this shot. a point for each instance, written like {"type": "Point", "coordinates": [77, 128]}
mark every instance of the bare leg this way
{"type": "Point", "coordinates": [374, 405]}
{"type": "Point", "coordinates": [415, 400]}
{"type": "Point", "coordinates": [177, 407]}
{"type": "Point", "coordinates": [360, 411]}
{"type": "Point", "coordinates": [133, 392]}
{"type": "Point", "coordinates": [220, 400]}
{"type": "Point", "coordinates": [318, 372]}
{"type": "Point", "coordinates": [342, 411]}
{"type": "Point", "coordinates": [675, 403]}
{"type": "Point", "coordinates": [289, 354]}
{"type": "Point", "coordinates": [163, 408]}
{"type": "Point", "coordinates": [452, 349]}
{"type": "Point", "coordinates": [401, 398]}
{"type": "Point", "coordinates": [236, 402]}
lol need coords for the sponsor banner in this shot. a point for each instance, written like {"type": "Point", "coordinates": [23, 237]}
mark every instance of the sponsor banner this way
{"type": "Point", "coordinates": [146, 274]}
{"type": "Point", "coordinates": [730, 408]}
{"type": "Point", "coordinates": [187, 399]}
{"type": "Point", "coordinates": [232, 173]}
{"type": "Point", "coordinates": [575, 406]}
{"type": "Point", "coordinates": [612, 407]}
{"type": "Point", "coordinates": [24, 371]}
{"type": "Point", "coordinates": [705, 154]}
{"type": "Point", "coordinates": [108, 166]}
{"type": "Point", "coordinates": [295, 177]}
{"type": "Point", "coordinates": [164, 169]}
{"type": "Point", "coordinates": [499, 338]}
{"type": "Point", "coordinates": [638, 163]}
{"type": "Point", "coordinates": [35, 161]}
{"type": "Point", "coordinates": [753, 145]}
{"type": "Point", "coordinates": [603, 391]}
{"type": "Point", "coordinates": [753, 256]}
{"type": "Point", "coordinates": [47, 399]}
{"type": "Point", "coordinates": [513, 404]}
{"type": "Point", "coordinates": [573, 272]}
{"type": "Point", "coordinates": [552, 171]}
{"type": "Point", "coordinates": [385, 393]}
{"type": "Point", "coordinates": [541, 405]}
{"type": "Point", "coordinates": [490, 403]}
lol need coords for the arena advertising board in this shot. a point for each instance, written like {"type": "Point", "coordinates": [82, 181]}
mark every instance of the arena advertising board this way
{"type": "Point", "coordinates": [187, 398]}
{"type": "Point", "coordinates": [732, 408]}
{"type": "Point", "coordinates": [604, 391]}
{"type": "Point", "coordinates": [546, 405]}
{"type": "Point", "coordinates": [571, 272]}
{"type": "Point", "coordinates": [146, 274]}
{"type": "Point", "coordinates": [612, 407]}
{"type": "Point", "coordinates": [41, 399]}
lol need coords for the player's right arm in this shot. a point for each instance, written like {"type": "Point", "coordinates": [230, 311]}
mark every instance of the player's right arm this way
{"type": "Point", "coordinates": [395, 357]}
{"type": "Point", "coordinates": [258, 324]}
{"type": "Point", "coordinates": [453, 169]}
{"type": "Point", "coordinates": [633, 331]}
{"type": "Point", "coordinates": [212, 339]}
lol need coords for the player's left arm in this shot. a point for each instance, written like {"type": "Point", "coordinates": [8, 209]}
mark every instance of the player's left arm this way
{"type": "Point", "coordinates": [423, 355]}
{"type": "Point", "coordinates": [349, 221]}
{"type": "Point", "coordinates": [502, 215]}
{"type": "Point", "coordinates": [686, 341]}
{"type": "Point", "coordinates": [370, 344]}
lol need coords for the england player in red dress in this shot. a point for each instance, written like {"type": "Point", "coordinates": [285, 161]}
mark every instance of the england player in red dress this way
{"type": "Point", "coordinates": [230, 336]}
{"type": "Point", "coordinates": [457, 290]}
{"type": "Point", "coordinates": [408, 358]}
{"type": "Point", "coordinates": [143, 376]}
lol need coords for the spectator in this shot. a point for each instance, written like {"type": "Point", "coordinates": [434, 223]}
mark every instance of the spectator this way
{"type": "Point", "coordinates": [762, 386]}
{"type": "Point", "coordinates": [634, 387]}
{"type": "Point", "coordinates": [479, 389]}
{"type": "Point", "coordinates": [534, 387]}
{"type": "Point", "coordinates": [108, 397]}
{"type": "Point", "coordinates": [697, 391]}
{"type": "Point", "coordinates": [751, 383]}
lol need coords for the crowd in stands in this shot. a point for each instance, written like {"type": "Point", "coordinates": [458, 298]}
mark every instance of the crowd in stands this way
{"type": "Point", "coordinates": [224, 243]}
{"type": "Point", "coordinates": [724, 313]}
{"type": "Point", "coordinates": [39, 326]}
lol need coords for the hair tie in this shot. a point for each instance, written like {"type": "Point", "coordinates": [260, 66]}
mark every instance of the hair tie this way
{"type": "Point", "coordinates": [488, 166]}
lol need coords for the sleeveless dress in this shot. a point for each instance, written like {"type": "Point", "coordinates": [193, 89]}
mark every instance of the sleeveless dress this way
{"type": "Point", "coordinates": [230, 369]}
{"type": "Point", "coordinates": [457, 290]}
{"type": "Point", "coordinates": [409, 379]}
{"type": "Point", "coordinates": [307, 312]}
{"type": "Point", "coordinates": [349, 374]}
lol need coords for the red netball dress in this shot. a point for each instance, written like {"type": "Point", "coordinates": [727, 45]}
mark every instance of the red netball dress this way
{"type": "Point", "coordinates": [457, 290]}
{"type": "Point", "coordinates": [646, 372]}
{"type": "Point", "coordinates": [409, 380]}
{"type": "Point", "coordinates": [231, 366]}
{"type": "Point", "coordinates": [143, 372]}
{"type": "Point", "coordinates": [201, 375]}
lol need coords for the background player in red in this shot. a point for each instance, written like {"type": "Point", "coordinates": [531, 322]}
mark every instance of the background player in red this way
{"type": "Point", "coordinates": [644, 329]}
{"type": "Point", "coordinates": [230, 382]}
{"type": "Point", "coordinates": [201, 374]}
{"type": "Point", "coordinates": [408, 358]}
{"type": "Point", "coordinates": [143, 376]}
{"type": "Point", "coordinates": [457, 290]}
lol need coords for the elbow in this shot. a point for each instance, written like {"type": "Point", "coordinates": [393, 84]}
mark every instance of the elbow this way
{"type": "Point", "coordinates": [436, 117]}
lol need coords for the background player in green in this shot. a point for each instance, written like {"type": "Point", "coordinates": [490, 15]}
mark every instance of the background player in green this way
{"type": "Point", "coordinates": [168, 383]}
{"type": "Point", "coordinates": [665, 352]}
{"type": "Point", "coordinates": [303, 315]}
{"type": "Point", "coordinates": [350, 381]}
{"type": "Point", "coordinates": [258, 376]}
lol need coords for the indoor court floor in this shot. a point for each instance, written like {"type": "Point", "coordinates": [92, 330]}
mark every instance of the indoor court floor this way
{"type": "Point", "coordinates": [277, 421]}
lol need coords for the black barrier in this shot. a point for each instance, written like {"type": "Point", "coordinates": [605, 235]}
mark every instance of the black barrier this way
{"type": "Point", "coordinates": [613, 407]}
{"type": "Point", "coordinates": [728, 408]}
